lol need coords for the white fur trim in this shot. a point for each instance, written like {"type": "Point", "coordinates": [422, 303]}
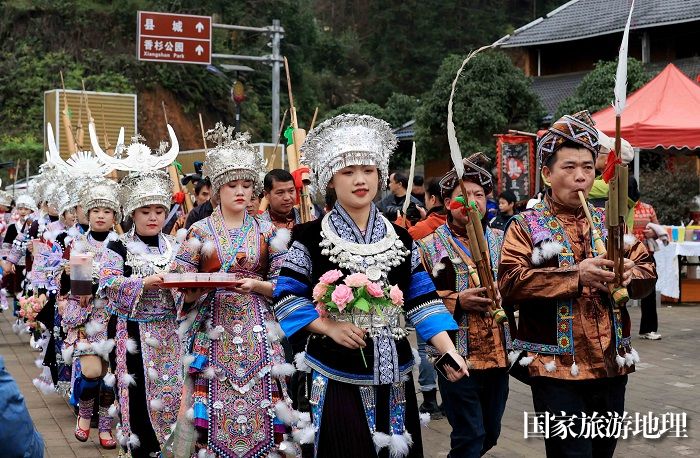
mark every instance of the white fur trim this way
{"type": "Point", "coordinates": [67, 354]}
{"type": "Point", "coordinates": [180, 235]}
{"type": "Point", "coordinates": [73, 232]}
{"type": "Point", "coordinates": [156, 404]}
{"type": "Point", "coordinates": [39, 363]}
{"type": "Point", "coordinates": [215, 333]}
{"type": "Point", "coordinates": [526, 360]}
{"type": "Point", "coordinates": [574, 369]}
{"type": "Point", "coordinates": [513, 356]}
{"type": "Point", "coordinates": [187, 360]}
{"type": "Point", "coordinates": [208, 248]}
{"type": "Point", "coordinates": [274, 331]}
{"type": "Point", "coordinates": [285, 413]}
{"type": "Point", "coordinates": [424, 418]}
{"type": "Point", "coordinates": [300, 362]}
{"type": "Point", "coordinates": [152, 342]}
{"type": "Point", "coordinates": [399, 444]}
{"type": "Point", "coordinates": [109, 379]}
{"type": "Point", "coordinates": [550, 366]}
{"type": "Point", "coordinates": [629, 360]}
{"type": "Point", "coordinates": [92, 327]}
{"type": "Point", "coordinates": [620, 360]}
{"type": "Point", "coordinates": [112, 237]}
{"type": "Point", "coordinates": [131, 346]}
{"type": "Point", "coordinates": [134, 441]}
{"type": "Point", "coordinates": [304, 419]}
{"type": "Point", "coordinates": [209, 372]}
{"type": "Point", "coordinates": [127, 379]}
{"type": "Point", "coordinates": [629, 241]}
{"type": "Point", "coordinates": [152, 373]}
{"type": "Point", "coordinates": [306, 435]}
{"type": "Point", "coordinates": [137, 247]}
{"type": "Point", "coordinates": [113, 411]}
{"type": "Point", "coordinates": [456, 260]}
{"type": "Point", "coordinates": [194, 244]}
{"type": "Point", "coordinates": [546, 251]}
{"type": "Point", "coordinates": [103, 348]}
{"type": "Point", "coordinates": [84, 346]}
{"type": "Point", "coordinates": [635, 355]}
{"type": "Point", "coordinates": [202, 453]}
{"type": "Point", "coordinates": [280, 241]}
{"type": "Point", "coordinates": [186, 324]}
{"type": "Point", "coordinates": [282, 370]}
{"type": "Point", "coordinates": [381, 440]}
{"type": "Point", "coordinates": [437, 268]}
{"type": "Point", "coordinates": [121, 438]}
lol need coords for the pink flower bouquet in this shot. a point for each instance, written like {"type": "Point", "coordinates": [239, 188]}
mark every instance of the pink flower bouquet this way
{"type": "Point", "coordinates": [356, 293]}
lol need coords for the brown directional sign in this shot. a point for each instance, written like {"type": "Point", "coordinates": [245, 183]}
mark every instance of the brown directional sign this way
{"type": "Point", "coordinates": [179, 38]}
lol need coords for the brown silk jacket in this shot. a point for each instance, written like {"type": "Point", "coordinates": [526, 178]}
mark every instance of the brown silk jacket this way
{"type": "Point", "coordinates": [542, 291]}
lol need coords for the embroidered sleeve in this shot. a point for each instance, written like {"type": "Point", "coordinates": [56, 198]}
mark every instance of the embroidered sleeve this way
{"type": "Point", "coordinates": [123, 293]}
{"type": "Point", "coordinates": [423, 306]}
{"type": "Point", "coordinates": [519, 279]}
{"type": "Point", "coordinates": [189, 254]}
{"type": "Point", "coordinates": [294, 308]}
{"type": "Point", "coordinates": [19, 248]}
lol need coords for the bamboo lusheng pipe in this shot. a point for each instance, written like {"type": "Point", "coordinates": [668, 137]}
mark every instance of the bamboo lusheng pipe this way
{"type": "Point", "coordinates": [264, 203]}
{"type": "Point", "coordinates": [175, 176]}
{"type": "Point", "coordinates": [70, 139]}
{"type": "Point", "coordinates": [619, 293]}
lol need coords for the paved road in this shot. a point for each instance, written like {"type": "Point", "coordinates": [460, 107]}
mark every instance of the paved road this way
{"type": "Point", "coordinates": [666, 380]}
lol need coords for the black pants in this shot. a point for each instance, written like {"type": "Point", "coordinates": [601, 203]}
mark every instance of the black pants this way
{"type": "Point", "coordinates": [575, 398]}
{"type": "Point", "coordinates": [649, 321]}
{"type": "Point", "coordinates": [474, 407]}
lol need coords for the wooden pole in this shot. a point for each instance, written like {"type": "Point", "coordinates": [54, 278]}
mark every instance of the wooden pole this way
{"type": "Point", "coordinates": [313, 120]}
{"type": "Point", "coordinates": [70, 138]}
{"type": "Point", "coordinates": [201, 127]}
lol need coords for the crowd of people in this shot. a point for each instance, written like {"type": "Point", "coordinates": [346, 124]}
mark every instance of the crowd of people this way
{"type": "Point", "coordinates": [306, 352]}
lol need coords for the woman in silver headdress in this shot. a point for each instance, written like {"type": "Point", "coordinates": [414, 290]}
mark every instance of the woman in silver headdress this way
{"type": "Point", "coordinates": [234, 357]}
{"type": "Point", "coordinates": [85, 317]}
{"type": "Point", "coordinates": [15, 245]}
{"type": "Point", "coordinates": [360, 388]}
{"type": "Point", "coordinates": [142, 328]}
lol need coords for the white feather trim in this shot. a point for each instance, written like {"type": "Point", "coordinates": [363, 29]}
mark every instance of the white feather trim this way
{"type": "Point", "coordinates": [112, 237]}
{"type": "Point", "coordinates": [550, 366]}
{"type": "Point", "coordinates": [44, 387]}
{"type": "Point", "coordinates": [92, 327]}
{"type": "Point", "coordinates": [73, 232]}
{"type": "Point", "coordinates": [399, 444]}
{"type": "Point", "coordinates": [437, 268]}
{"type": "Point", "coordinates": [513, 356]}
{"type": "Point", "coordinates": [194, 244]}
{"type": "Point", "coordinates": [287, 448]}
{"type": "Point", "coordinates": [186, 324]}
{"type": "Point", "coordinates": [300, 362]}
{"type": "Point", "coordinates": [304, 419]}
{"type": "Point", "coordinates": [306, 435]}
{"type": "Point", "coordinates": [629, 241]}
{"type": "Point", "coordinates": [208, 248]}
{"type": "Point", "coordinates": [127, 379]}
{"type": "Point", "coordinates": [274, 455]}
{"type": "Point", "coordinates": [121, 438]}
{"type": "Point", "coordinates": [156, 404]}
{"type": "Point", "coordinates": [274, 331]}
{"type": "Point", "coordinates": [109, 379]}
{"type": "Point", "coordinates": [282, 370]}
{"type": "Point", "coordinates": [456, 260]}
{"type": "Point", "coordinates": [137, 247]}
{"type": "Point", "coordinates": [84, 346]}
{"type": "Point", "coordinates": [131, 346]}
{"type": "Point", "coordinates": [381, 440]}
{"type": "Point", "coordinates": [545, 251]}
{"type": "Point", "coordinates": [209, 372]}
{"type": "Point", "coordinates": [526, 360]}
{"type": "Point", "coordinates": [202, 453]}
{"type": "Point", "coordinates": [39, 363]}
{"type": "Point", "coordinates": [280, 241]}
{"type": "Point", "coordinates": [152, 342]}
{"type": "Point", "coordinates": [113, 411]}
{"type": "Point", "coordinates": [187, 360]}
{"type": "Point", "coordinates": [424, 418]}
{"type": "Point", "coordinates": [180, 235]}
{"type": "Point", "coordinates": [620, 360]}
{"type": "Point", "coordinates": [152, 373]}
{"type": "Point", "coordinates": [635, 355]}
{"type": "Point", "coordinates": [103, 347]}
{"type": "Point", "coordinates": [215, 333]}
{"type": "Point", "coordinates": [285, 413]}
{"type": "Point", "coordinates": [574, 369]}
{"type": "Point", "coordinates": [134, 441]}
{"type": "Point", "coordinates": [629, 360]}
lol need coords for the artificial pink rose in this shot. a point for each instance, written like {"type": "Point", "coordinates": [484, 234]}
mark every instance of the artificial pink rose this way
{"type": "Point", "coordinates": [321, 309]}
{"type": "Point", "coordinates": [330, 277]}
{"type": "Point", "coordinates": [319, 291]}
{"type": "Point", "coordinates": [342, 296]}
{"type": "Point", "coordinates": [374, 289]}
{"type": "Point", "coordinates": [356, 280]}
{"type": "Point", "coordinates": [396, 295]}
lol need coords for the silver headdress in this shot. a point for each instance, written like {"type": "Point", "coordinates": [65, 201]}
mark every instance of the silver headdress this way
{"type": "Point", "coordinates": [62, 194]}
{"type": "Point", "coordinates": [146, 184]}
{"type": "Point", "coordinates": [345, 140]}
{"type": "Point", "coordinates": [104, 193]}
{"type": "Point", "coordinates": [26, 201]}
{"type": "Point", "coordinates": [233, 158]}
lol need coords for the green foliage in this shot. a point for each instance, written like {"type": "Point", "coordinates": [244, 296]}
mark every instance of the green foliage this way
{"type": "Point", "coordinates": [16, 148]}
{"type": "Point", "coordinates": [670, 192]}
{"type": "Point", "coordinates": [492, 96]}
{"type": "Point", "coordinates": [596, 89]}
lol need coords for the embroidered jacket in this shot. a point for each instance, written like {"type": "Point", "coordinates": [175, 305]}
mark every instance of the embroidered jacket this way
{"type": "Point", "coordinates": [562, 323]}
{"type": "Point", "coordinates": [295, 309]}
{"type": "Point", "coordinates": [480, 339]}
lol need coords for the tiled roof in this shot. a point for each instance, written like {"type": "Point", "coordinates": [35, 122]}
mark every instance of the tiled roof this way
{"type": "Point", "coordinates": [580, 19]}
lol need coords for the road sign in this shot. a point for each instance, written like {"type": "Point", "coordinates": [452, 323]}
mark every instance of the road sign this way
{"type": "Point", "coordinates": [179, 38]}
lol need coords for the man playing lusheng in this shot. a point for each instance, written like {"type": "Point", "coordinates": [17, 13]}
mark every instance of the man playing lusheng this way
{"type": "Point", "coordinates": [575, 345]}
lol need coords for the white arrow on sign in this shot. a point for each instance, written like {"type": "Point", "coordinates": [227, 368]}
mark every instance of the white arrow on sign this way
{"type": "Point", "coordinates": [199, 50]}
{"type": "Point", "coordinates": [199, 27]}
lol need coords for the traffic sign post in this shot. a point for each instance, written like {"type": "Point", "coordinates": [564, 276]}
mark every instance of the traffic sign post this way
{"type": "Point", "coordinates": [178, 38]}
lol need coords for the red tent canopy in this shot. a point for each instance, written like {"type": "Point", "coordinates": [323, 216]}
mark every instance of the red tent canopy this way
{"type": "Point", "coordinates": [663, 113]}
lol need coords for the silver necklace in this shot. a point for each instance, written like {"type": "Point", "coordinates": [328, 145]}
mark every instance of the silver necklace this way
{"type": "Point", "coordinates": [373, 259]}
{"type": "Point", "coordinates": [145, 264]}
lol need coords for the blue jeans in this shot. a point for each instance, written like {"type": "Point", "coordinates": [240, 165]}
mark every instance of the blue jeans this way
{"type": "Point", "coordinates": [17, 434]}
{"type": "Point", "coordinates": [575, 397]}
{"type": "Point", "coordinates": [426, 371]}
{"type": "Point", "coordinates": [474, 407]}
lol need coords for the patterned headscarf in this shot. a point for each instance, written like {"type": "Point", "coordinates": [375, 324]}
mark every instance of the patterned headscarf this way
{"type": "Point", "coordinates": [475, 170]}
{"type": "Point", "coordinates": [577, 128]}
